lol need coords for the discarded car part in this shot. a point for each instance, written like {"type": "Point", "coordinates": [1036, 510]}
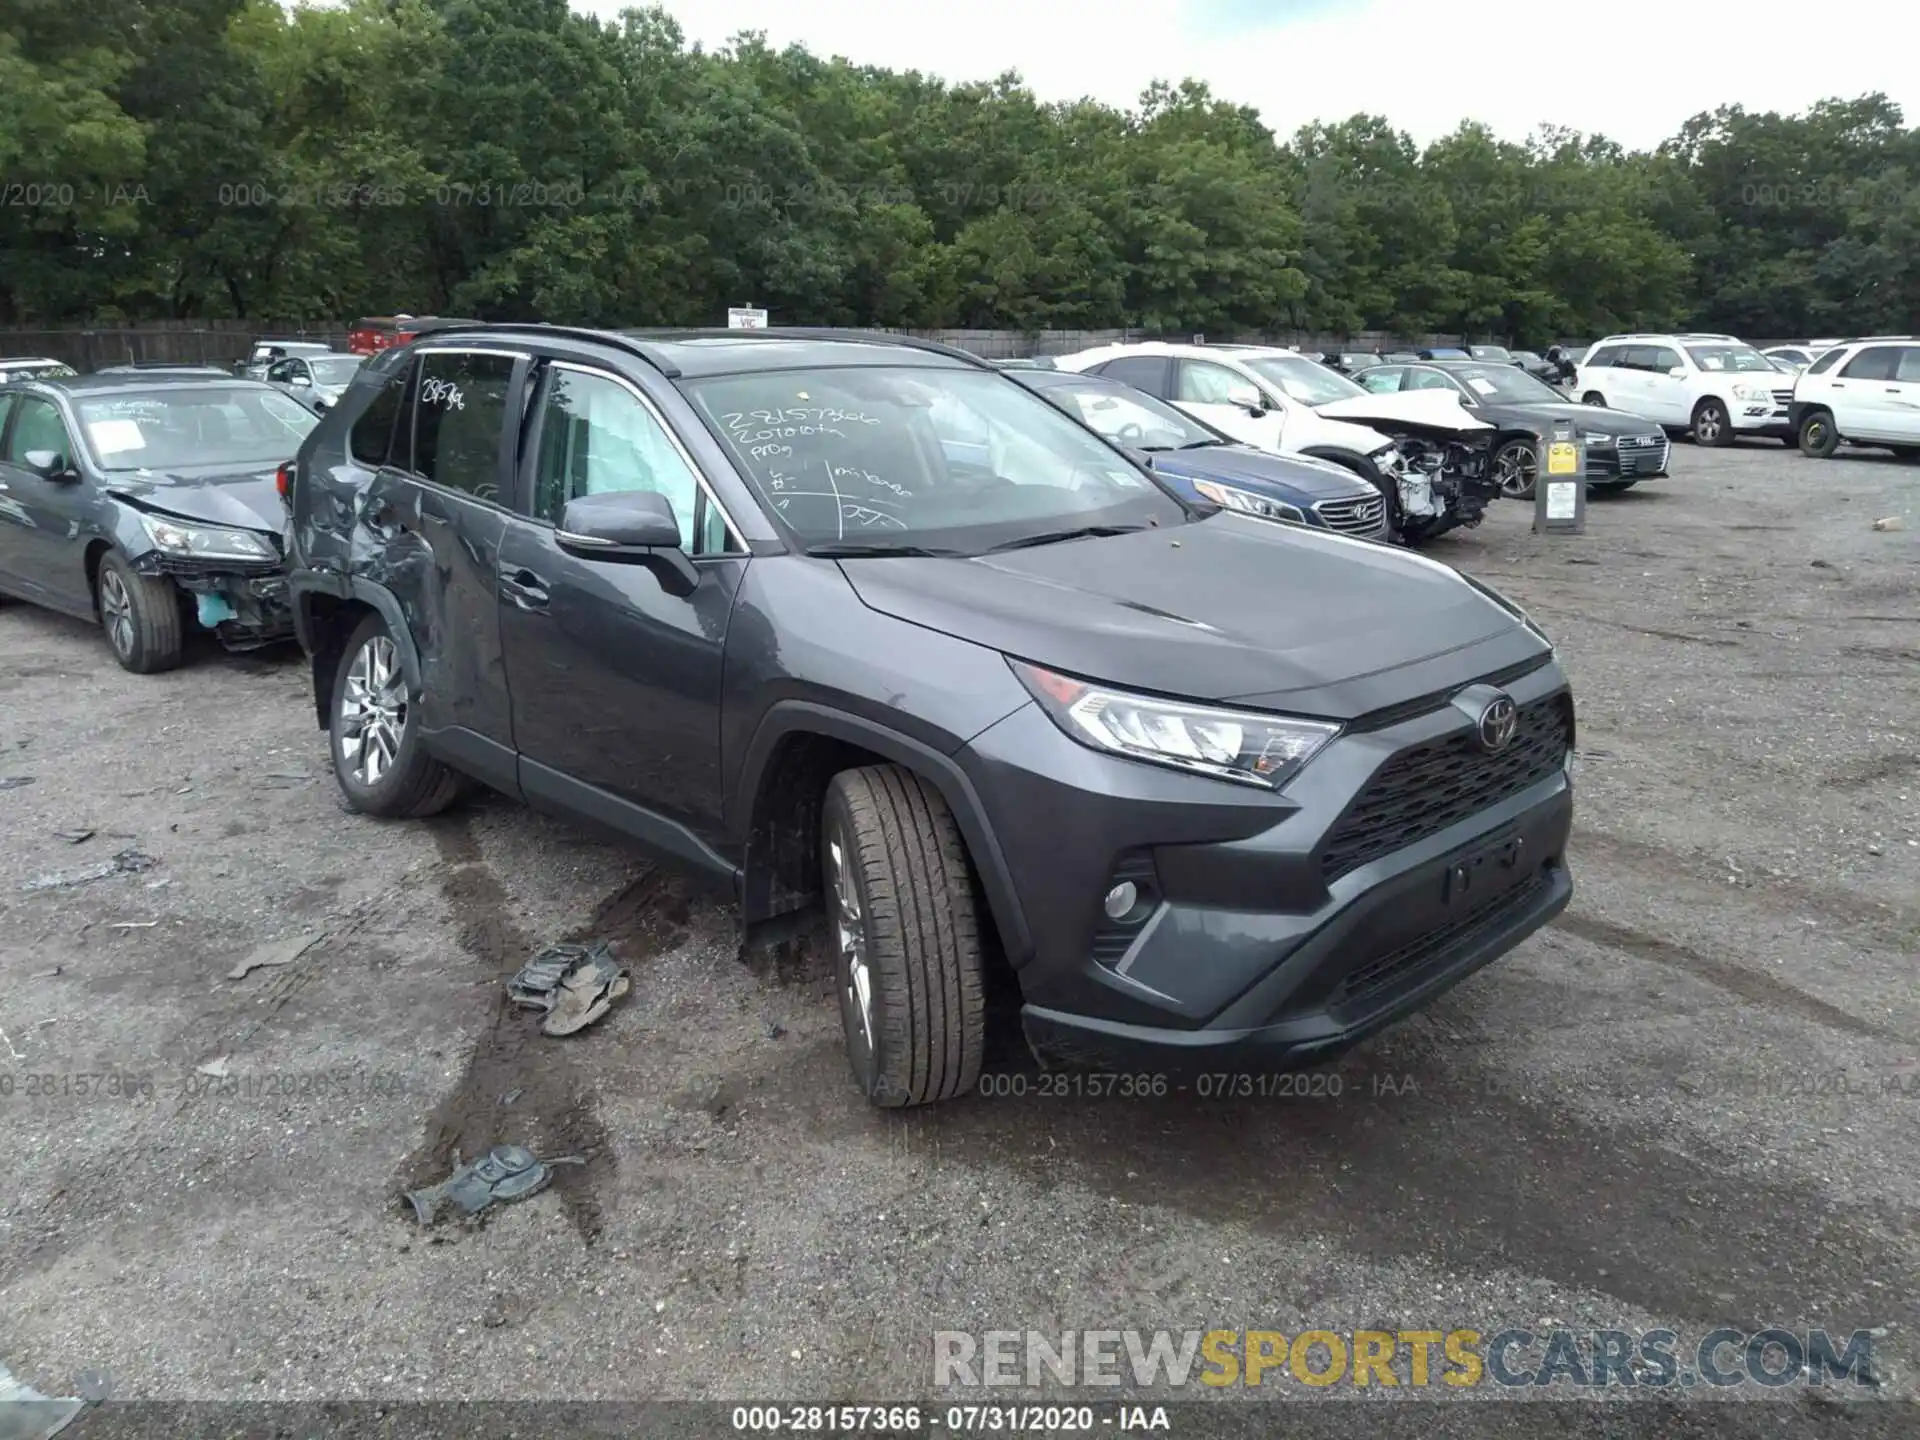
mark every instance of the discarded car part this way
{"type": "Point", "coordinates": [274, 954]}
{"type": "Point", "coordinates": [587, 993]}
{"type": "Point", "coordinates": [127, 862]}
{"type": "Point", "coordinates": [26, 1414]}
{"type": "Point", "coordinates": [18, 782]}
{"type": "Point", "coordinates": [538, 981]}
{"type": "Point", "coordinates": [506, 1173]}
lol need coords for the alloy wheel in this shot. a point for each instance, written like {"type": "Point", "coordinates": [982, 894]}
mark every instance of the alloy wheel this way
{"type": "Point", "coordinates": [1515, 469]}
{"type": "Point", "coordinates": [373, 711]}
{"type": "Point", "coordinates": [1706, 426]}
{"type": "Point", "coordinates": [116, 612]}
{"type": "Point", "coordinates": [850, 934]}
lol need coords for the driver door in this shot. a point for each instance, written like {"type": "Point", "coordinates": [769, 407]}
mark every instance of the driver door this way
{"type": "Point", "coordinates": [1202, 387]}
{"type": "Point", "coordinates": [42, 547]}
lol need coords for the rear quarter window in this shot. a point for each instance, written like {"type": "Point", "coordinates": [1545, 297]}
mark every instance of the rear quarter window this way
{"type": "Point", "coordinates": [1826, 362]}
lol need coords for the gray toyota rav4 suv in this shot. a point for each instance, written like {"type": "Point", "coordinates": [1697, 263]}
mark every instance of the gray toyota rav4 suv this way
{"type": "Point", "coordinates": [857, 625]}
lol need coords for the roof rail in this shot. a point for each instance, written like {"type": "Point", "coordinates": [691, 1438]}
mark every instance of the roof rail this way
{"type": "Point", "coordinates": [620, 340]}
{"type": "Point", "coordinates": [814, 332]}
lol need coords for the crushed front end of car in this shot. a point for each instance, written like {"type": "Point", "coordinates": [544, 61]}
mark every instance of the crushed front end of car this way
{"type": "Point", "coordinates": [1443, 466]}
{"type": "Point", "coordinates": [234, 575]}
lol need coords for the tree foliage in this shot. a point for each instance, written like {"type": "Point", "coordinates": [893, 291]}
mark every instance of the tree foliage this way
{"type": "Point", "coordinates": [512, 159]}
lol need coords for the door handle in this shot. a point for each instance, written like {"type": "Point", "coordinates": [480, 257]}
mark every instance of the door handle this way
{"type": "Point", "coordinates": [525, 589]}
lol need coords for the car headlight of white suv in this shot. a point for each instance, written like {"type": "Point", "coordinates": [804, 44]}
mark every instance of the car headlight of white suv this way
{"type": "Point", "coordinates": [1747, 391]}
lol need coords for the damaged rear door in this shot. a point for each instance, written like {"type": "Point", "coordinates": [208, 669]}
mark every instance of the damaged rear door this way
{"type": "Point", "coordinates": [428, 528]}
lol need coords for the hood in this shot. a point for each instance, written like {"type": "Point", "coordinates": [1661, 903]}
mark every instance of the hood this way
{"type": "Point", "coordinates": [243, 499]}
{"type": "Point", "coordinates": [1585, 418]}
{"type": "Point", "coordinates": [1426, 413]}
{"type": "Point", "coordinates": [1228, 608]}
{"type": "Point", "coordinates": [1246, 466]}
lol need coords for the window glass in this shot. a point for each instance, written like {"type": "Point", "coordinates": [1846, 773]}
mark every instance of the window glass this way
{"type": "Point", "coordinates": [6, 405]}
{"type": "Point", "coordinates": [597, 439]}
{"type": "Point", "coordinates": [281, 370]}
{"type": "Point", "coordinates": [1826, 362]}
{"type": "Point", "coordinates": [189, 427]}
{"type": "Point", "coordinates": [1743, 359]}
{"type": "Point", "coordinates": [1383, 379]}
{"type": "Point", "coordinates": [1876, 362]}
{"type": "Point", "coordinates": [1908, 370]}
{"type": "Point", "coordinates": [1143, 372]}
{"type": "Point", "coordinates": [1660, 359]}
{"type": "Point", "coordinates": [459, 415]}
{"type": "Point", "coordinates": [1307, 381]}
{"type": "Point", "coordinates": [37, 426]}
{"type": "Point", "coordinates": [1426, 380]}
{"type": "Point", "coordinates": [373, 431]}
{"type": "Point", "coordinates": [1145, 424]}
{"type": "Point", "coordinates": [1204, 383]}
{"type": "Point", "coordinates": [1605, 356]}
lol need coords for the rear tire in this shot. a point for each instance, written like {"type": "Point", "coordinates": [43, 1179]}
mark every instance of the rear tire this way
{"type": "Point", "coordinates": [373, 732]}
{"type": "Point", "coordinates": [907, 952]}
{"type": "Point", "coordinates": [1712, 426]}
{"type": "Point", "coordinates": [1818, 437]}
{"type": "Point", "coordinates": [140, 615]}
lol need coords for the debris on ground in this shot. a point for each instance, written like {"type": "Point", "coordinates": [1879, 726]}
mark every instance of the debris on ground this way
{"type": "Point", "coordinates": [46, 974]}
{"type": "Point", "coordinates": [127, 862]}
{"type": "Point", "coordinates": [1890, 522]}
{"type": "Point", "coordinates": [14, 782]}
{"type": "Point", "coordinates": [218, 1068]}
{"type": "Point", "coordinates": [775, 1030]}
{"type": "Point", "coordinates": [504, 1174]}
{"type": "Point", "coordinates": [26, 1414]}
{"type": "Point", "coordinates": [513, 1095]}
{"type": "Point", "coordinates": [274, 953]}
{"type": "Point", "coordinates": [285, 779]}
{"type": "Point", "coordinates": [574, 984]}
{"type": "Point", "coordinates": [133, 924]}
{"type": "Point", "coordinates": [74, 837]}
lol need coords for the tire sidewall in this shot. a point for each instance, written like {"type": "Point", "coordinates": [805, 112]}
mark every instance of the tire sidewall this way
{"type": "Point", "coordinates": [1820, 425]}
{"type": "Point", "coordinates": [866, 1061]}
{"type": "Point", "coordinates": [1723, 432]}
{"type": "Point", "coordinates": [370, 798]}
{"type": "Point", "coordinates": [1527, 445]}
{"type": "Point", "coordinates": [140, 660]}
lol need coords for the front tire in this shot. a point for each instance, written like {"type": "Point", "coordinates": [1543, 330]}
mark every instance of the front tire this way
{"type": "Point", "coordinates": [140, 615]}
{"type": "Point", "coordinates": [1516, 466]}
{"type": "Point", "coordinates": [1818, 437]}
{"type": "Point", "coordinates": [907, 959]}
{"type": "Point", "coordinates": [1712, 426]}
{"type": "Point", "coordinates": [373, 731]}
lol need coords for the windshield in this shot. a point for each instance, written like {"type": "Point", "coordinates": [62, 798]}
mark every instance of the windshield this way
{"type": "Point", "coordinates": [1301, 379]}
{"type": "Point", "coordinates": [1728, 357]}
{"type": "Point", "coordinates": [954, 460]}
{"type": "Point", "coordinates": [1128, 417]}
{"type": "Point", "coordinates": [176, 429]}
{"type": "Point", "coordinates": [336, 369]}
{"type": "Point", "coordinates": [1504, 382]}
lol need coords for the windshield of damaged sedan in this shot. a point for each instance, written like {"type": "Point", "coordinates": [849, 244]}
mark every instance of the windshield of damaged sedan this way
{"type": "Point", "coordinates": [1506, 383]}
{"type": "Point", "coordinates": [1728, 357]}
{"type": "Point", "coordinates": [192, 426]}
{"type": "Point", "coordinates": [1304, 380]}
{"type": "Point", "coordinates": [866, 457]}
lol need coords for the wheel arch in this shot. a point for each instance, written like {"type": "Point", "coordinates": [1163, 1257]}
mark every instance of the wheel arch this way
{"type": "Point", "coordinates": [795, 752]}
{"type": "Point", "coordinates": [325, 617]}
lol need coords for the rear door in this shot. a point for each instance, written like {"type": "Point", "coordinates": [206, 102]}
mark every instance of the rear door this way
{"type": "Point", "coordinates": [1860, 393]}
{"type": "Point", "coordinates": [436, 512]}
{"type": "Point", "coordinates": [41, 546]}
{"type": "Point", "coordinates": [615, 682]}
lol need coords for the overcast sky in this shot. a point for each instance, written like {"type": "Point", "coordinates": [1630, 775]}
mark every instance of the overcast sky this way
{"type": "Point", "coordinates": [1630, 69]}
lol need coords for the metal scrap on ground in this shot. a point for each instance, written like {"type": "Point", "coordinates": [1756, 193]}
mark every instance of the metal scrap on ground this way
{"type": "Point", "coordinates": [504, 1174]}
{"type": "Point", "coordinates": [26, 1414]}
{"type": "Point", "coordinates": [274, 953]}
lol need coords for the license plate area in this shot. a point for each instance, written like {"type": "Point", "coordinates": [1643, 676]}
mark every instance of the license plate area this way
{"type": "Point", "coordinates": [1485, 871]}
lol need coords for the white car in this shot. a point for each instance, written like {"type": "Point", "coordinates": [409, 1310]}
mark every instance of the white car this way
{"type": "Point", "coordinates": [1279, 400]}
{"type": "Point", "coordinates": [1716, 387]}
{"type": "Point", "coordinates": [31, 367]}
{"type": "Point", "coordinates": [316, 381]}
{"type": "Point", "coordinates": [1867, 392]}
{"type": "Point", "coordinates": [1798, 356]}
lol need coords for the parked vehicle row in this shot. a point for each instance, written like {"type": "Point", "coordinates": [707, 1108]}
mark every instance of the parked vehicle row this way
{"type": "Point", "coordinates": [1000, 673]}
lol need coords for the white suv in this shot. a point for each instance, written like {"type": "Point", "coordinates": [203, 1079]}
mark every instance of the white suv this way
{"type": "Point", "coordinates": [1867, 392]}
{"type": "Point", "coordinates": [1715, 386]}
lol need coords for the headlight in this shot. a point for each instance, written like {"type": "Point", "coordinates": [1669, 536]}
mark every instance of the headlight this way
{"type": "Point", "coordinates": [1255, 749]}
{"type": "Point", "coordinates": [1248, 502]}
{"type": "Point", "coordinates": [1752, 392]}
{"type": "Point", "coordinates": [1597, 439]}
{"type": "Point", "coordinates": [206, 542]}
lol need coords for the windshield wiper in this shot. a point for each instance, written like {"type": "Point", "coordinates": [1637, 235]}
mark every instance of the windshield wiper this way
{"type": "Point", "coordinates": [851, 549]}
{"type": "Point", "coordinates": [1203, 444]}
{"type": "Point", "coordinates": [1050, 537]}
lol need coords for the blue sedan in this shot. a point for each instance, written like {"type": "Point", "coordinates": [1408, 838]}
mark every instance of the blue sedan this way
{"type": "Point", "coordinates": [1203, 464]}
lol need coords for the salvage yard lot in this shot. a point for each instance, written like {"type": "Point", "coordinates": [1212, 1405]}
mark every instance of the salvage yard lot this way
{"type": "Point", "coordinates": [1693, 1101]}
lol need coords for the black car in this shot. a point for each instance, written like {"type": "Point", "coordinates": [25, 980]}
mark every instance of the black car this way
{"type": "Point", "coordinates": [1207, 466]}
{"type": "Point", "coordinates": [860, 626]}
{"type": "Point", "coordinates": [148, 503]}
{"type": "Point", "coordinates": [1622, 449]}
{"type": "Point", "coordinates": [1492, 354]}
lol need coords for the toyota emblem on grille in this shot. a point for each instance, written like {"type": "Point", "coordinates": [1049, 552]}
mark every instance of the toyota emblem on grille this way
{"type": "Point", "coordinates": [1498, 722]}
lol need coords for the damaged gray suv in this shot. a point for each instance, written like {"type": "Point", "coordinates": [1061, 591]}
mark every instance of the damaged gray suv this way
{"type": "Point", "coordinates": [857, 626]}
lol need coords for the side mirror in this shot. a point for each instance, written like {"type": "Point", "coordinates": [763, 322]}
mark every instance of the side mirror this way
{"type": "Point", "coordinates": [1248, 399]}
{"type": "Point", "coordinates": [1678, 372]}
{"type": "Point", "coordinates": [301, 379]}
{"type": "Point", "coordinates": [629, 527]}
{"type": "Point", "coordinates": [51, 465]}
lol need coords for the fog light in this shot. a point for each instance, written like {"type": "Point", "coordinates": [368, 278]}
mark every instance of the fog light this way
{"type": "Point", "coordinates": [1121, 899]}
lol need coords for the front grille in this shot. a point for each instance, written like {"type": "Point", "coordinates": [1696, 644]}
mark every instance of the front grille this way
{"type": "Point", "coordinates": [1383, 972]}
{"type": "Point", "coordinates": [1783, 398]}
{"type": "Point", "coordinates": [1364, 516]}
{"type": "Point", "coordinates": [1641, 454]}
{"type": "Point", "coordinates": [1423, 790]}
{"type": "Point", "coordinates": [188, 567]}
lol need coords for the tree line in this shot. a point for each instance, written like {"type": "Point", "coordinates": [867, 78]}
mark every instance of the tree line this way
{"type": "Point", "coordinates": [509, 159]}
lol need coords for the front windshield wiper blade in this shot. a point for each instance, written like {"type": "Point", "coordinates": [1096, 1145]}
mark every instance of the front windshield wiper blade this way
{"type": "Point", "coordinates": [854, 549]}
{"type": "Point", "coordinates": [1203, 444]}
{"type": "Point", "coordinates": [1050, 537]}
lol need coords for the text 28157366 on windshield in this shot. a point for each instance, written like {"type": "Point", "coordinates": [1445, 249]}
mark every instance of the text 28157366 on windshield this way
{"type": "Point", "coordinates": [879, 636]}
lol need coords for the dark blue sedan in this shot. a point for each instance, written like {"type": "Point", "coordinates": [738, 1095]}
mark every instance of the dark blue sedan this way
{"type": "Point", "coordinates": [1203, 464]}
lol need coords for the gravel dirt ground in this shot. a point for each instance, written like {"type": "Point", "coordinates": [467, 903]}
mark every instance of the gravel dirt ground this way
{"type": "Point", "coordinates": [1693, 1102]}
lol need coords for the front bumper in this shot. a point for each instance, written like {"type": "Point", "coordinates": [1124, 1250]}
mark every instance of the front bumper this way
{"type": "Point", "coordinates": [1277, 929]}
{"type": "Point", "coordinates": [1642, 457]}
{"type": "Point", "coordinates": [244, 604]}
{"type": "Point", "coordinates": [1772, 416]}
